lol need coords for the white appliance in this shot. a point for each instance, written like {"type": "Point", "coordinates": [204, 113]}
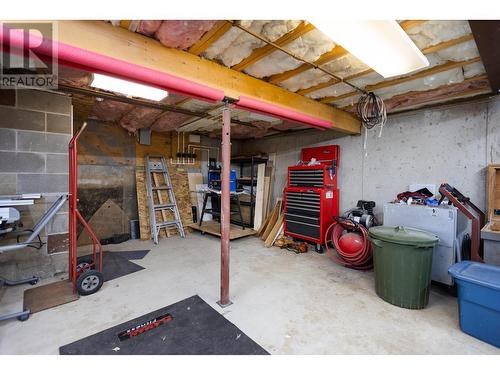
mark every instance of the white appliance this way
{"type": "Point", "coordinates": [444, 221]}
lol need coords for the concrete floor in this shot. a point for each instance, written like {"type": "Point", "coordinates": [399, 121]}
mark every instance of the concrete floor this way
{"type": "Point", "coordinates": [288, 303]}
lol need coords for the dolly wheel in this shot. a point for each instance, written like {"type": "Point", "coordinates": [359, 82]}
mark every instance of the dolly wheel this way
{"type": "Point", "coordinates": [89, 282]}
{"type": "Point", "coordinates": [319, 249]}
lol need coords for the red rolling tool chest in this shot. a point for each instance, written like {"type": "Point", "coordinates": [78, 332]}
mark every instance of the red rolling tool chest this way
{"type": "Point", "coordinates": [311, 194]}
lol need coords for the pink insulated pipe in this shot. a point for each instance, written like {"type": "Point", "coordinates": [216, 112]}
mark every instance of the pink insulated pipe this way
{"type": "Point", "coordinates": [284, 113]}
{"type": "Point", "coordinates": [95, 62]}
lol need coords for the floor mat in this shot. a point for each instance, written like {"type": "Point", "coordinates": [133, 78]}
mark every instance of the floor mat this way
{"type": "Point", "coordinates": [132, 254]}
{"type": "Point", "coordinates": [47, 296]}
{"type": "Point", "coordinates": [190, 326]}
{"type": "Point", "coordinates": [115, 265]}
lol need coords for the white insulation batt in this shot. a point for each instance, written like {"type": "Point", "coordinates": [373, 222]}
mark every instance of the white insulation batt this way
{"type": "Point", "coordinates": [424, 35]}
{"type": "Point", "coordinates": [343, 67]}
{"type": "Point", "coordinates": [236, 44]}
{"type": "Point", "coordinates": [434, 32]}
{"type": "Point", "coordinates": [309, 47]}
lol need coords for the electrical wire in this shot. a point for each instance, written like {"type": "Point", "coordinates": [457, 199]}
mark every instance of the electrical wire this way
{"type": "Point", "coordinates": [371, 110]}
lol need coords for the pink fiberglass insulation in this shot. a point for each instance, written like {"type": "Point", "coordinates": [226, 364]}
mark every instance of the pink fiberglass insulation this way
{"type": "Point", "coordinates": [148, 27]}
{"type": "Point", "coordinates": [414, 98]}
{"type": "Point", "coordinates": [110, 110]}
{"type": "Point", "coordinates": [169, 121]}
{"type": "Point", "coordinates": [238, 131]}
{"type": "Point", "coordinates": [144, 117]}
{"type": "Point", "coordinates": [182, 34]}
{"type": "Point", "coordinates": [287, 125]}
{"type": "Point", "coordinates": [74, 77]}
{"type": "Point", "coordinates": [139, 117]}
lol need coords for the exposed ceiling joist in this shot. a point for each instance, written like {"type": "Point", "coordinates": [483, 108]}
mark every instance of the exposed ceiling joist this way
{"type": "Point", "coordinates": [396, 81]}
{"type": "Point", "coordinates": [104, 39]}
{"type": "Point", "coordinates": [487, 37]}
{"type": "Point", "coordinates": [426, 51]}
{"type": "Point", "coordinates": [334, 54]}
{"type": "Point", "coordinates": [210, 37]}
{"type": "Point", "coordinates": [259, 53]}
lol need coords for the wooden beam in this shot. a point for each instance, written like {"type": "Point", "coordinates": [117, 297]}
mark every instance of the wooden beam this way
{"type": "Point", "coordinates": [408, 24]}
{"type": "Point", "coordinates": [396, 81]}
{"type": "Point", "coordinates": [331, 55]}
{"type": "Point", "coordinates": [259, 53]}
{"type": "Point", "coordinates": [210, 37]}
{"type": "Point", "coordinates": [102, 38]}
{"type": "Point", "coordinates": [426, 51]}
{"type": "Point", "coordinates": [487, 36]}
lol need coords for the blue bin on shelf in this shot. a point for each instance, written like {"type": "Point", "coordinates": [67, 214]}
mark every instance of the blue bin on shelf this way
{"type": "Point", "coordinates": [478, 299]}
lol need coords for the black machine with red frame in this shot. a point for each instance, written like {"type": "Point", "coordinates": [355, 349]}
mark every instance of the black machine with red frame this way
{"type": "Point", "coordinates": [311, 197]}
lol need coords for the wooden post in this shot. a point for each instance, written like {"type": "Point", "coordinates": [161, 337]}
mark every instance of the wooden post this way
{"type": "Point", "coordinates": [225, 206]}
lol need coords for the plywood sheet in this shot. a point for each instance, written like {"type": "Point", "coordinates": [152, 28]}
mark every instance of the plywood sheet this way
{"type": "Point", "coordinates": [46, 296]}
{"type": "Point", "coordinates": [213, 227]}
{"type": "Point", "coordinates": [109, 220]}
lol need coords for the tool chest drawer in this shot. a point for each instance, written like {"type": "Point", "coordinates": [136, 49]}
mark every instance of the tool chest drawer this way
{"type": "Point", "coordinates": [301, 177]}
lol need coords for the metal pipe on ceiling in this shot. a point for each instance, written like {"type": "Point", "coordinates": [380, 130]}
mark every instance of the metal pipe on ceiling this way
{"type": "Point", "coordinates": [144, 103]}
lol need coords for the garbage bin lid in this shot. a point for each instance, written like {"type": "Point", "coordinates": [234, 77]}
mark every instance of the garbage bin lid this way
{"type": "Point", "coordinates": [403, 235]}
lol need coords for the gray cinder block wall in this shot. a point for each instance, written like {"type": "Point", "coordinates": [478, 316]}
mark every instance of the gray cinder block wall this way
{"type": "Point", "coordinates": [451, 143]}
{"type": "Point", "coordinates": [35, 128]}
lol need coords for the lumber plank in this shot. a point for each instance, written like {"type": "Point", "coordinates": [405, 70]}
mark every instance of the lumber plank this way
{"type": "Point", "coordinates": [272, 221]}
{"type": "Point", "coordinates": [259, 196]}
{"type": "Point", "coordinates": [275, 231]}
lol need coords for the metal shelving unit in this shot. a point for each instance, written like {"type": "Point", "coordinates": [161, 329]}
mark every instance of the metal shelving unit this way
{"type": "Point", "coordinates": [242, 162]}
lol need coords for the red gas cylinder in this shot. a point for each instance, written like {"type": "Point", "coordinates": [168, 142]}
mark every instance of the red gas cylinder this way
{"type": "Point", "coordinates": [351, 242]}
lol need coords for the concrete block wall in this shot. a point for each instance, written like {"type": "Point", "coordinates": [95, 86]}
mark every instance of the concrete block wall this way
{"type": "Point", "coordinates": [451, 144]}
{"type": "Point", "coordinates": [35, 128]}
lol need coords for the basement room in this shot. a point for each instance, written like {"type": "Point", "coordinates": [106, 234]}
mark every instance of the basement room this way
{"type": "Point", "coordinates": [249, 185]}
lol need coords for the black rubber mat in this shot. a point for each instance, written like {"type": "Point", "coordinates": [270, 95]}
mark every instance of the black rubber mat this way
{"type": "Point", "coordinates": [116, 265]}
{"type": "Point", "coordinates": [190, 326]}
{"type": "Point", "coordinates": [132, 254]}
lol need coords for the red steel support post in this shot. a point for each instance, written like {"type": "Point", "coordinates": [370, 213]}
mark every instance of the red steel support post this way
{"type": "Point", "coordinates": [225, 206]}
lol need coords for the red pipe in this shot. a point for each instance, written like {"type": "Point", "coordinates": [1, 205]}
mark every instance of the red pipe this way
{"type": "Point", "coordinates": [225, 206]}
{"type": "Point", "coordinates": [95, 62]}
{"type": "Point", "coordinates": [259, 106]}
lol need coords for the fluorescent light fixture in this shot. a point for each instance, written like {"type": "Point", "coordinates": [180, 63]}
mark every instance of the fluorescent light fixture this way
{"type": "Point", "coordinates": [128, 88]}
{"type": "Point", "coordinates": [382, 45]}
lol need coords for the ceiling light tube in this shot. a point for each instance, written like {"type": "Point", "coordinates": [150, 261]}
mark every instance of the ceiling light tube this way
{"type": "Point", "coordinates": [382, 45]}
{"type": "Point", "coordinates": [127, 88]}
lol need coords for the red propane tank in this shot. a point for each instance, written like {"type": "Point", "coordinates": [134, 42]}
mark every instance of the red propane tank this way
{"type": "Point", "coordinates": [351, 242]}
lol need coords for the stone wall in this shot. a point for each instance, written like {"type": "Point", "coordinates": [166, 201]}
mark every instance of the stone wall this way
{"type": "Point", "coordinates": [35, 128]}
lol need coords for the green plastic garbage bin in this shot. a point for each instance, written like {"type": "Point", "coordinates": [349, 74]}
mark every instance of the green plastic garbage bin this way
{"type": "Point", "coordinates": [402, 259]}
